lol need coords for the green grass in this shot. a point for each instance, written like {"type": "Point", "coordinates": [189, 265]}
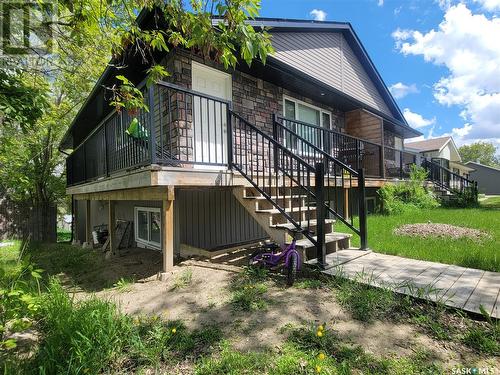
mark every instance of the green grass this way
{"type": "Point", "coordinates": [305, 353]}
{"type": "Point", "coordinates": [491, 202]}
{"type": "Point", "coordinates": [124, 284]}
{"type": "Point", "coordinates": [462, 252]}
{"type": "Point", "coordinates": [96, 338]}
{"type": "Point", "coordinates": [184, 279]}
{"type": "Point", "coordinates": [63, 235]}
{"type": "Point", "coordinates": [367, 303]}
{"type": "Point", "coordinates": [248, 290]}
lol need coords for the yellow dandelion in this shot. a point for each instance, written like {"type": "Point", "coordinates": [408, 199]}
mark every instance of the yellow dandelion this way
{"type": "Point", "coordinates": [321, 328]}
{"type": "Point", "coordinates": [174, 330]}
{"type": "Point", "coordinates": [318, 369]}
{"type": "Point", "coordinates": [319, 333]}
{"type": "Point", "coordinates": [321, 356]}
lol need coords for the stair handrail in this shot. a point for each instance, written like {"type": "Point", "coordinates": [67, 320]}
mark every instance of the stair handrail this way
{"type": "Point", "coordinates": [237, 157]}
{"type": "Point", "coordinates": [464, 182]}
{"type": "Point", "coordinates": [282, 160]}
{"type": "Point", "coordinates": [436, 165]}
{"type": "Point", "coordinates": [361, 232]}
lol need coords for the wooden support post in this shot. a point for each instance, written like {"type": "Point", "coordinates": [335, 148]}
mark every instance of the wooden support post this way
{"type": "Point", "coordinates": [111, 226]}
{"type": "Point", "coordinates": [347, 214]}
{"type": "Point", "coordinates": [168, 233]}
{"type": "Point", "coordinates": [88, 229]}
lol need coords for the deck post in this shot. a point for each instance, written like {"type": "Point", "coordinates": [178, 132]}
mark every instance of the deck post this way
{"type": "Point", "coordinates": [168, 233]}
{"type": "Point", "coordinates": [320, 214]}
{"type": "Point", "coordinates": [111, 226]}
{"type": "Point", "coordinates": [88, 229]}
{"type": "Point", "coordinates": [347, 214]}
{"type": "Point", "coordinates": [362, 210]}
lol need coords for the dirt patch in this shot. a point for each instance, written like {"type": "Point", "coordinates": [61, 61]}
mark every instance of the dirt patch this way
{"type": "Point", "coordinates": [205, 300]}
{"type": "Point", "coordinates": [440, 230]}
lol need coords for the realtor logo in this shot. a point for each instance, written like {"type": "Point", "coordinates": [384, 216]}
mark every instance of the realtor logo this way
{"type": "Point", "coordinates": [26, 27]}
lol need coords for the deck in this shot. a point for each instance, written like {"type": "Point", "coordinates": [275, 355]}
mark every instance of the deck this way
{"type": "Point", "coordinates": [454, 286]}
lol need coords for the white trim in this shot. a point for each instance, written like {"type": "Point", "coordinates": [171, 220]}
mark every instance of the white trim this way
{"type": "Point", "coordinates": [140, 241]}
{"type": "Point", "coordinates": [297, 101]}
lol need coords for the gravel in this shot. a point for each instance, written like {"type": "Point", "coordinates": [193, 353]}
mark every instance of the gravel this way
{"type": "Point", "coordinates": [425, 230]}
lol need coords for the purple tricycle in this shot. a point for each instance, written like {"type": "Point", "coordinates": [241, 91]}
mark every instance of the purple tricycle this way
{"type": "Point", "coordinates": [272, 256]}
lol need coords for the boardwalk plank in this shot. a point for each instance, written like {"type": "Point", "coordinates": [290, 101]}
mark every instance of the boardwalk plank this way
{"type": "Point", "coordinates": [460, 287]}
{"type": "Point", "coordinates": [485, 293]}
{"type": "Point", "coordinates": [458, 294]}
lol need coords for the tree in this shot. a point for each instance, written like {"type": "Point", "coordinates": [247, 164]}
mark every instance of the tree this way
{"type": "Point", "coordinates": [482, 152]}
{"type": "Point", "coordinates": [41, 96]}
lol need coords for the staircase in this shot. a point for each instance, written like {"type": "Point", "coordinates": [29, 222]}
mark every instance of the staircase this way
{"type": "Point", "coordinates": [276, 224]}
{"type": "Point", "coordinates": [447, 184]}
{"type": "Point", "coordinates": [296, 190]}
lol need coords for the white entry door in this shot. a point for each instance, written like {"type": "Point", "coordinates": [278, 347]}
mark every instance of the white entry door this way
{"type": "Point", "coordinates": [210, 116]}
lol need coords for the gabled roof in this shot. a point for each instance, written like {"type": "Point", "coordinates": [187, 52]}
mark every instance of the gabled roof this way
{"type": "Point", "coordinates": [283, 25]}
{"type": "Point", "coordinates": [434, 144]}
{"type": "Point", "coordinates": [475, 164]}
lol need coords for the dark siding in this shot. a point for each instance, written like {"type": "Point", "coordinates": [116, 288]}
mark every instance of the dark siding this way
{"type": "Point", "coordinates": [213, 218]}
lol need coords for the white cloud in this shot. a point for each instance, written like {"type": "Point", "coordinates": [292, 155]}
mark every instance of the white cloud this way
{"type": "Point", "coordinates": [400, 90]}
{"type": "Point", "coordinates": [416, 120]}
{"type": "Point", "coordinates": [467, 45]}
{"type": "Point", "coordinates": [380, 3]}
{"type": "Point", "coordinates": [489, 5]}
{"type": "Point", "coordinates": [318, 14]}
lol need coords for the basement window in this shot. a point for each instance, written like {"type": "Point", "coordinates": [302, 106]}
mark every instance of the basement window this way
{"type": "Point", "coordinates": [148, 227]}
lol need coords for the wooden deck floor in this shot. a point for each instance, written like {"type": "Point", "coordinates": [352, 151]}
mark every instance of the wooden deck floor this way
{"type": "Point", "coordinates": [460, 287]}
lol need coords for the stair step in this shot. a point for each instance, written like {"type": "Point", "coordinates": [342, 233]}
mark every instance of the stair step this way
{"type": "Point", "coordinates": [274, 211]}
{"type": "Point", "coordinates": [330, 237]}
{"type": "Point", "coordinates": [303, 224]}
{"type": "Point", "coordinates": [261, 197]}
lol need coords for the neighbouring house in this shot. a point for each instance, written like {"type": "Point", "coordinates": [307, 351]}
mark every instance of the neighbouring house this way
{"type": "Point", "coordinates": [488, 178]}
{"type": "Point", "coordinates": [230, 157]}
{"type": "Point", "coordinates": [442, 151]}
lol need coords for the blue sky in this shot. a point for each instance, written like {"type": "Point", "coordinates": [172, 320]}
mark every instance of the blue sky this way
{"type": "Point", "coordinates": [438, 55]}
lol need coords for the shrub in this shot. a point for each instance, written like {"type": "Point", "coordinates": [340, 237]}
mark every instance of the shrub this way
{"type": "Point", "coordinates": [407, 195]}
{"type": "Point", "coordinates": [462, 199]}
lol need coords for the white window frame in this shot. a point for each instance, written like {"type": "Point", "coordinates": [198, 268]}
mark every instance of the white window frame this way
{"type": "Point", "coordinates": [305, 104]}
{"type": "Point", "coordinates": [140, 241]}
{"type": "Point", "coordinates": [296, 103]}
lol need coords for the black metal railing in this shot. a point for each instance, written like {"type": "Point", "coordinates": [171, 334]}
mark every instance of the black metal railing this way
{"type": "Point", "coordinates": [353, 152]}
{"type": "Point", "coordinates": [343, 199]}
{"type": "Point", "coordinates": [180, 127]}
{"type": "Point", "coordinates": [278, 173]}
{"type": "Point", "coordinates": [397, 163]}
{"type": "Point", "coordinates": [447, 180]}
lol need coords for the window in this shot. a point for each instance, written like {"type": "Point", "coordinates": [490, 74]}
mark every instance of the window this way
{"type": "Point", "coordinates": [148, 227]}
{"type": "Point", "coordinates": [298, 110]}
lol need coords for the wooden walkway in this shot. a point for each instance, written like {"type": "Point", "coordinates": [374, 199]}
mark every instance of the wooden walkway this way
{"type": "Point", "coordinates": [460, 287]}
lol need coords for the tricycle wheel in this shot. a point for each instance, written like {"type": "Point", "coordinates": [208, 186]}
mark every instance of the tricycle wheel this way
{"type": "Point", "coordinates": [292, 269]}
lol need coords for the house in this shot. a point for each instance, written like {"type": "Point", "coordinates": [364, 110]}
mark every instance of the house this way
{"type": "Point", "coordinates": [488, 178]}
{"type": "Point", "coordinates": [442, 151]}
{"type": "Point", "coordinates": [225, 158]}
